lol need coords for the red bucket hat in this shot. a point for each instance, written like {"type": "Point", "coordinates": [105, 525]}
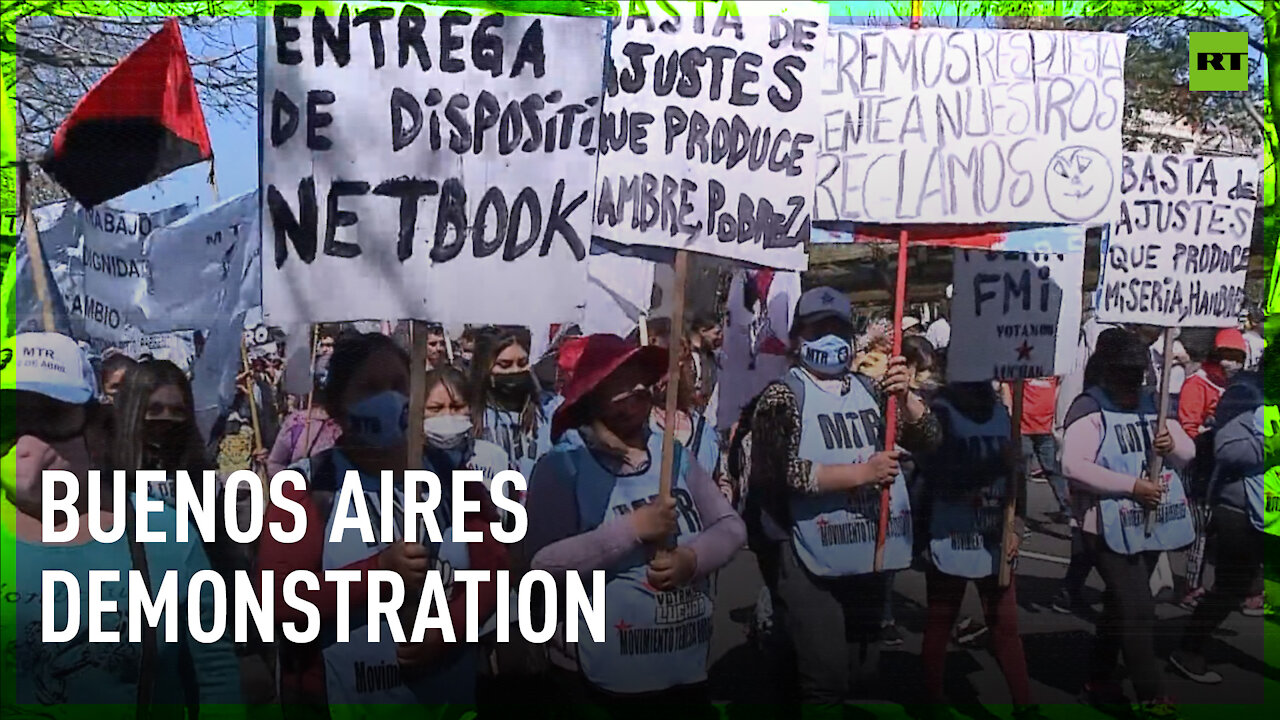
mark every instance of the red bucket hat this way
{"type": "Point", "coordinates": [601, 356]}
{"type": "Point", "coordinates": [1230, 339]}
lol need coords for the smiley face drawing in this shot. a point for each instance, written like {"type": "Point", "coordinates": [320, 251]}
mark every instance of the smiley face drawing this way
{"type": "Point", "coordinates": [1078, 183]}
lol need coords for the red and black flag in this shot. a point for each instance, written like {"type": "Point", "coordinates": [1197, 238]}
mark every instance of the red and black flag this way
{"type": "Point", "coordinates": [140, 122]}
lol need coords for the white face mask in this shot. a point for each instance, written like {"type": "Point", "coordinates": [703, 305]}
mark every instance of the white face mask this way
{"type": "Point", "coordinates": [1231, 367]}
{"type": "Point", "coordinates": [447, 432]}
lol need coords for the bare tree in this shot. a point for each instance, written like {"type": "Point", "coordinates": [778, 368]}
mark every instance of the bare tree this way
{"type": "Point", "coordinates": [60, 49]}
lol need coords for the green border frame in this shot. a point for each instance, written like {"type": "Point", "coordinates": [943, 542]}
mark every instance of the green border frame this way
{"type": "Point", "coordinates": [869, 8]}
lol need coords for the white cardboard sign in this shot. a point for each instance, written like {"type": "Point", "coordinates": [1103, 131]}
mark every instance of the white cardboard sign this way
{"type": "Point", "coordinates": [707, 136]}
{"type": "Point", "coordinates": [1014, 316]}
{"type": "Point", "coordinates": [1178, 255]}
{"type": "Point", "coordinates": [970, 126]}
{"type": "Point", "coordinates": [432, 164]}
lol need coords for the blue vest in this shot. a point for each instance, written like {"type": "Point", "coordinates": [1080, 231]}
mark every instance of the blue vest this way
{"type": "Point", "coordinates": [653, 640]}
{"type": "Point", "coordinates": [363, 673]}
{"type": "Point", "coordinates": [1260, 489]}
{"type": "Point", "coordinates": [503, 427]}
{"type": "Point", "coordinates": [1126, 446]}
{"type": "Point", "coordinates": [835, 533]}
{"type": "Point", "coordinates": [703, 443]}
{"type": "Point", "coordinates": [967, 518]}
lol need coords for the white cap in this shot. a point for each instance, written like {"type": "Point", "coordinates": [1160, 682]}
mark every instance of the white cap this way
{"type": "Point", "coordinates": [52, 365]}
{"type": "Point", "coordinates": [909, 322]}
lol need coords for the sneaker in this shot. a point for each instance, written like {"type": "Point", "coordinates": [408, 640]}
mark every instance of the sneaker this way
{"type": "Point", "coordinates": [1104, 695]}
{"type": "Point", "coordinates": [1254, 606]}
{"type": "Point", "coordinates": [1191, 599]}
{"type": "Point", "coordinates": [1162, 709]}
{"type": "Point", "coordinates": [890, 636]}
{"type": "Point", "coordinates": [1065, 603]}
{"type": "Point", "coordinates": [1194, 667]}
{"type": "Point", "coordinates": [969, 631]}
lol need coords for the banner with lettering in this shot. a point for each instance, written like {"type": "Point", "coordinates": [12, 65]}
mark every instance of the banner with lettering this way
{"type": "Point", "coordinates": [970, 126]}
{"type": "Point", "coordinates": [197, 262]}
{"type": "Point", "coordinates": [1179, 250]}
{"type": "Point", "coordinates": [1045, 239]}
{"type": "Point", "coordinates": [707, 137]}
{"type": "Point", "coordinates": [1014, 316]}
{"type": "Point", "coordinates": [425, 162]}
{"type": "Point", "coordinates": [115, 270]}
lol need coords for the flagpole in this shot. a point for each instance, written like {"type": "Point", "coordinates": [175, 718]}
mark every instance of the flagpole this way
{"type": "Point", "coordinates": [213, 179]}
{"type": "Point", "coordinates": [35, 253]}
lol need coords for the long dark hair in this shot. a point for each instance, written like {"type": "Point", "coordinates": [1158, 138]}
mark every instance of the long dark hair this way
{"type": "Point", "coordinates": [129, 451]}
{"type": "Point", "coordinates": [490, 342]}
{"type": "Point", "coordinates": [350, 352]}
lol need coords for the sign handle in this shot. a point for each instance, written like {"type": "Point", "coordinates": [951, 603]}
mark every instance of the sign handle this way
{"type": "Point", "coordinates": [311, 393]}
{"type": "Point", "coordinates": [891, 406]}
{"type": "Point", "coordinates": [416, 440]}
{"type": "Point", "coordinates": [35, 253]}
{"type": "Point", "coordinates": [673, 373]}
{"type": "Point", "coordinates": [253, 403]}
{"type": "Point", "coordinates": [1015, 485]}
{"type": "Point", "coordinates": [1155, 466]}
{"type": "Point", "coordinates": [644, 330]}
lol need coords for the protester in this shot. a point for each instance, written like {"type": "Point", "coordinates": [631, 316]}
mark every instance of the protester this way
{"type": "Point", "coordinates": [507, 408]}
{"type": "Point", "coordinates": [58, 426]}
{"type": "Point", "coordinates": [307, 431]}
{"type": "Point", "coordinates": [1253, 326]}
{"type": "Point", "coordinates": [1238, 520]}
{"type": "Point", "coordinates": [466, 349]}
{"type": "Point", "coordinates": [1105, 454]}
{"type": "Point", "coordinates": [596, 507]}
{"type": "Point", "coordinates": [436, 350]}
{"type": "Point", "coordinates": [690, 426]}
{"type": "Point", "coordinates": [155, 425]}
{"type": "Point", "coordinates": [967, 478]}
{"type": "Point", "coordinates": [705, 337]}
{"type": "Point", "coordinates": [1196, 408]}
{"type": "Point", "coordinates": [804, 469]}
{"type": "Point", "coordinates": [450, 436]}
{"type": "Point", "coordinates": [114, 369]}
{"type": "Point", "coordinates": [367, 395]}
{"type": "Point", "coordinates": [1039, 400]}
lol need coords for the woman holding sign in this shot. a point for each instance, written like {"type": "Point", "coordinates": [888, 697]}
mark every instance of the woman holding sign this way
{"type": "Point", "coordinates": [817, 473]}
{"type": "Point", "coordinates": [596, 506]}
{"type": "Point", "coordinates": [1106, 449]}
{"type": "Point", "coordinates": [367, 395]}
{"type": "Point", "coordinates": [967, 480]}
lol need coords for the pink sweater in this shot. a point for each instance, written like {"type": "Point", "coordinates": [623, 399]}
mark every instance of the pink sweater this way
{"type": "Point", "coordinates": [1084, 435]}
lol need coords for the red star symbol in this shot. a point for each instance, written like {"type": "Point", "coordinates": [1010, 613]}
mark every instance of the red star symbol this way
{"type": "Point", "coordinates": [622, 625]}
{"type": "Point", "coordinates": [822, 522]}
{"type": "Point", "coordinates": [1024, 351]}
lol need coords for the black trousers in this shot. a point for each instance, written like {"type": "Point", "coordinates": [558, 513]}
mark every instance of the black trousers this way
{"type": "Point", "coordinates": [1240, 547]}
{"type": "Point", "coordinates": [1128, 620]}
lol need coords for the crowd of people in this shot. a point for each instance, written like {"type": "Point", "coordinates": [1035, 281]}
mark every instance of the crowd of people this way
{"type": "Point", "coordinates": [797, 481]}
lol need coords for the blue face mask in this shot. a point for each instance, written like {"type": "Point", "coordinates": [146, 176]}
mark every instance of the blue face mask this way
{"type": "Point", "coordinates": [379, 421]}
{"type": "Point", "coordinates": [828, 355]}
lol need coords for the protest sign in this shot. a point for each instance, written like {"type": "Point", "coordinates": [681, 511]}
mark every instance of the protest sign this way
{"type": "Point", "coordinates": [1017, 313]}
{"type": "Point", "coordinates": [427, 163]}
{"type": "Point", "coordinates": [1046, 239]}
{"type": "Point", "coordinates": [707, 136]}
{"type": "Point", "coordinates": [1178, 254]}
{"type": "Point", "coordinates": [115, 271]}
{"type": "Point", "coordinates": [619, 289]}
{"type": "Point", "coordinates": [197, 262]}
{"type": "Point", "coordinates": [60, 245]}
{"type": "Point", "coordinates": [756, 337]}
{"type": "Point", "coordinates": [178, 348]}
{"type": "Point", "coordinates": [970, 126]}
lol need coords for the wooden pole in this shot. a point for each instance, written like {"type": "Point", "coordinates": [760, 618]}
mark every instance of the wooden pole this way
{"type": "Point", "coordinates": [1015, 483]}
{"type": "Point", "coordinates": [253, 403]}
{"type": "Point", "coordinates": [417, 392]}
{"type": "Point", "coordinates": [1155, 465]}
{"type": "Point", "coordinates": [213, 180]}
{"type": "Point", "coordinates": [311, 392]}
{"type": "Point", "coordinates": [899, 305]}
{"type": "Point", "coordinates": [644, 330]}
{"type": "Point", "coordinates": [673, 372]}
{"type": "Point", "coordinates": [35, 253]}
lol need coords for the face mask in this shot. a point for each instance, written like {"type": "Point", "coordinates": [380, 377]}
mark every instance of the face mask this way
{"type": "Point", "coordinates": [447, 432]}
{"type": "Point", "coordinates": [512, 388]}
{"type": "Point", "coordinates": [828, 355]}
{"type": "Point", "coordinates": [1231, 367]}
{"type": "Point", "coordinates": [164, 441]}
{"type": "Point", "coordinates": [380, 421]}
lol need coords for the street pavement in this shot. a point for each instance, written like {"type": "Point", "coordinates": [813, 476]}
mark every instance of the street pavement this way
{"type": "Point", "coordinates": [1057, 646]}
